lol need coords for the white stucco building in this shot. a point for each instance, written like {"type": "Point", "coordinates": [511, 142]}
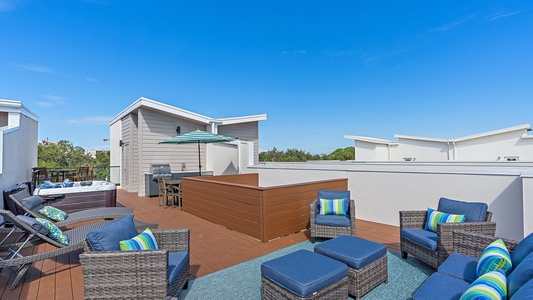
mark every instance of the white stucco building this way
{"type": "Point", "coordinates": [508, 144]}
{"type": "Point", "coordinates": [18, 144]}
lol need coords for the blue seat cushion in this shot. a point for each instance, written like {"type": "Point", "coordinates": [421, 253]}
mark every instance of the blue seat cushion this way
{"type": "Point", "coordinates": [304, 272]}
{"type": "Point", "coordinates": [461, 266]}
{"type": "Point", "coordinates": [332, 220]}
{"type": "Point", "coordinates": [422, 237]}
{"type": "Point", "coordinates": [520, 275]}
{"type": "Point", "coordinates": [522, 250]}
{"type": "Point", "coordinates": [525, 292]}
{"type": "Point", "coordinates": [357, 253]}
{"type": "Point", "coordinates": [441, 286]}
{"type": "Point", "coordinates": [108, 238]}
{"type": "Point", "coordinates": [176, 263]}
{"type": "Point", "coordinates": [473, 211]}
{"type": "Point", "coordinates": [329, 194]}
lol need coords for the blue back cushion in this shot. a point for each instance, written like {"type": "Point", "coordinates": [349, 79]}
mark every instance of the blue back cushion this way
{"type": "Point", "coordinates": [522, 250]}
{"type": "Point", "coordinates": [473, 211]}
{"type": "Point", "coordinates": [520, 275]}
{"type": "Point", "coordinates": [327, 194]}
{"type": "Point", "coordinates": [108, 238]}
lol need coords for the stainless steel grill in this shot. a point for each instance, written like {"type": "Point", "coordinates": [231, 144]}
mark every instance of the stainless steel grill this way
{"type": "Point", "coordinates": [160, 171]}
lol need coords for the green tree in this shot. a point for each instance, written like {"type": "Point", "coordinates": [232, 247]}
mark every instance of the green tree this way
{"type": "Point", "coordinates": [295, 155]}
{"type": "Point", "coordinates": [101, 165]}
{"type": "Point", "coordinates": [62, 155]}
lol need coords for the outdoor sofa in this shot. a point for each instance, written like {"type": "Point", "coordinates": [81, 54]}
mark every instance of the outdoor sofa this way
{"type": "Point", "coordinates": [458, 272]}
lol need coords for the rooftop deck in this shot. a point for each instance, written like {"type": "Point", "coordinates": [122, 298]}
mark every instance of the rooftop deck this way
{"type": "Point", "coordinates": [213, 247]}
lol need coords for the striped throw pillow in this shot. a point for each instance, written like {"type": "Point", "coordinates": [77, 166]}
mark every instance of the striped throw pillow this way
{"type": "Point", "coordinates": [490, 286]}
{"type": "Point", "coordinates": [435, 217]}
{"type": "Point", "coordinates": [144, 241]}
{"type": "Point", "coordinates": [494, 257]}
{"type": "Point", "coordinates": [333, 206]}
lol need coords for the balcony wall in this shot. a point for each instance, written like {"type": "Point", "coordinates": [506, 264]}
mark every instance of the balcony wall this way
{"type": "Point", "coordinates": [239, 203]}
{"type": "Point", "coordinates": [381, 190]}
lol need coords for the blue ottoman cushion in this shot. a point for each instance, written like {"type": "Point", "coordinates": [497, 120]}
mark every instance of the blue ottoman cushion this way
{"type": "Point", "coordinates": [422, 237]}
{"type": "Point", "coordinates": [357, 253]}
{"type": "Point", "coordinates": [441, 286]}
{"type": "Point", "coordinates": [304, 272]}
{"type": "Point", "coordinates": [461, 266]}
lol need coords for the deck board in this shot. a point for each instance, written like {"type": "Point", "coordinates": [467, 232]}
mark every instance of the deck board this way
{"type": "Point", "coordinates": [213, 247]}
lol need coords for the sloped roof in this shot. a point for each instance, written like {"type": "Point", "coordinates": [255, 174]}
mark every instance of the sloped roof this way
{"type": "Point", "coordinates": [469, 137]}
{"type": "Point", "coordinates": [370, 140]}
{"type": "Point", "coordinates": [182, 113]}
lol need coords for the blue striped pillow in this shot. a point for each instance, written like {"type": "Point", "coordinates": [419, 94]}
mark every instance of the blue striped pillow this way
{"type": "Point", "coordinates": [494, 257]}
{"type": "Point", "coordinates": [144, 241]}
{"type": "Point", "coordinates": [333, 206]}
{"type": "Point", "coordinates": [435, 217]}
{"type": "Point", "coordinates": [490, 286]}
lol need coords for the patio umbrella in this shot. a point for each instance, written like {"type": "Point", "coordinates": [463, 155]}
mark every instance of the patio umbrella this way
{"type": "Point", "coordinates": [198, 137]}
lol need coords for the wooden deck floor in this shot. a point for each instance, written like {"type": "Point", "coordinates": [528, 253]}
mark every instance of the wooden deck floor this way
{"type": "Point", "coordinates": [213, 247]}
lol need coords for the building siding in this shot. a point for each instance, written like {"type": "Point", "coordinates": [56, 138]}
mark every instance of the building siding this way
{"type": "Point", "coordinates": [246, 132]}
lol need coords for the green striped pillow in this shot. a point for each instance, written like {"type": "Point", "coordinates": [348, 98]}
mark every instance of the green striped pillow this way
{"type": "Point", "coordinates": [144, 241]}
{"type": "Point", "coordinates": [494, 257]}
{"type": "Point", "coordinates": [332, 206]}
{"type": "Point", "coordinates": [490, 286]}
{"type": "Point", "coordinates": [435, 217]}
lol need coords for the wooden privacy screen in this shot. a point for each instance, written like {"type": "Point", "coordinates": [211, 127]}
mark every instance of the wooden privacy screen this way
{"type": "Point", "coordinates": [264, 213]}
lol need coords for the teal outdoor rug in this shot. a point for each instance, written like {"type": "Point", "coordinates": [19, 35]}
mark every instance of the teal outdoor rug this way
{"type": "Point", "coordinates": [243, 281]}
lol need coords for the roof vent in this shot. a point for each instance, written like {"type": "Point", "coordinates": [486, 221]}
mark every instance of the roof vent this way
{"type": "Point", "coordinates": [511, 158]}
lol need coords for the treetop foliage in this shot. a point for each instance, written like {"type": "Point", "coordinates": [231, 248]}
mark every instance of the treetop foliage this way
{"type": "Point", "coordinates": [295, 155]}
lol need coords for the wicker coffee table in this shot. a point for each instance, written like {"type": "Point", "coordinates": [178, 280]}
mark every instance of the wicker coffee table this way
{"type": "Point", "coordinates": [304, 275]}
{"type": "Point", "coordinates": [366, 260]}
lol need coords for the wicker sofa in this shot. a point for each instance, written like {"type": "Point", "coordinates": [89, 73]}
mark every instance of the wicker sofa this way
{"type": "Point", "coordinates": [331, 226]}
{"type": "Point", "coordinates": [420, 243]}
{"type": "Point", "coordinates": [458, 272]}
{"type": "Point", "coordinates": [139, 274]}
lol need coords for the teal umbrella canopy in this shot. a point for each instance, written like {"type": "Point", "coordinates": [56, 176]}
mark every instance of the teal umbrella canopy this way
{"type": "Point", "coordinates": [198, 137]}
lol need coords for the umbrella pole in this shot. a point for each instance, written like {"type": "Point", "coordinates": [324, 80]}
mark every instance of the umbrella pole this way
{"type": "Point", "coordinates": [199, 160]}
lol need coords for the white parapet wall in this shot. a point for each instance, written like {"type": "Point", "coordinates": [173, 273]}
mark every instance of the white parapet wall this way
{"type": "Point", "coordinates": [381, 190]}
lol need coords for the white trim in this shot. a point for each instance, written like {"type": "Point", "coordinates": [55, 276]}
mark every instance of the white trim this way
{"type": "Point", "coordinates": [495, 132]}
{"type": "Point", "coordinates": [185, 114]}
{"type": "Point", "coordinates": [371, 140]}
{"type": "Point", "coordinates": [238, 120]}
{"type": "Point", "coordinates": [420, 138]}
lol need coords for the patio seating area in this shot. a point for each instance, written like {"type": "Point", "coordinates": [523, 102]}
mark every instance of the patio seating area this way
{"type": "Point", "coordinates": [212, 248]}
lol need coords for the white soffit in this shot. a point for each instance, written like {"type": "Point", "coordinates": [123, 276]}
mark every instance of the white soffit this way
{"type": "Point", "coordinates": [238, 120]}
{"type": "Point", "coordinates": [370, 140]}
{"type": "Point", "coordinates": [495, 132]}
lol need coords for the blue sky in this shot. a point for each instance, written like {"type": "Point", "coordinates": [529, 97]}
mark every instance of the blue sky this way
{"type": "Point", "coordinates": [319, 69]}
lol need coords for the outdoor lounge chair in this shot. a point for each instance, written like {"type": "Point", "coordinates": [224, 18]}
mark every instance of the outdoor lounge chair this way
{"type": "Point", "coordinates": [434, 247]}
{"type": "Point", "coordinates": [135, 274]}
{"type": "Point", "coordinates": [31, 207]}
{"type": "Point", "coordinates": [330, 226]}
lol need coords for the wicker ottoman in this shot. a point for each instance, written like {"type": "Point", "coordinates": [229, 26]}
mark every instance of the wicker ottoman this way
{"type": "Point", "coordinates": [366, 260]}
{"type": "Point", "coordinates": [304, 275]}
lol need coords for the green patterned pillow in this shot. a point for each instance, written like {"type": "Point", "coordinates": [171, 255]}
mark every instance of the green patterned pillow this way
{"type": "Point", "coordinates": [436, 217]}
{"type": "Point", "coordinates": [53, 213]}
{"type": "Point", "coordinates": [490, 286]}
{"type": "Point", "coordinates": [333, 206]}
{"type": "Point", "coordinates": [494, 257]}
{"type": "Point", "coordinates": [54, 233]}
{"type": "Point", "coordinates": [144, 241]}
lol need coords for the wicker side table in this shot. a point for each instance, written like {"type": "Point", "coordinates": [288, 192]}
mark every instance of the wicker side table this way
{"type": "Point", "coordinates": [366, 260]}
{"type": "Point", "coordinates": [304, 275]}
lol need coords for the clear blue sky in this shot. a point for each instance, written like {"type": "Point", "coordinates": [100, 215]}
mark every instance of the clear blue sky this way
{"type": "Point", "coordinates": [318, 69]}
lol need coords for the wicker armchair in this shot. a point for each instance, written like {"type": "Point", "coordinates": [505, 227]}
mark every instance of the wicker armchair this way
{"type": "Point", "coordinates": [434, 258]}
{"type": "Point", "coordinates": [329, 231]}
{"type": "Point", "coordinates": [136, 274]}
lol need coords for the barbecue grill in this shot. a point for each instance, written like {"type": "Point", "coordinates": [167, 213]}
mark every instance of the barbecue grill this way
{"type": "Point", "coordinates": [161, 171]}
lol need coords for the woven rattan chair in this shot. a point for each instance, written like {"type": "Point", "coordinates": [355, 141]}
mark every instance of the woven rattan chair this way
{"type": "Point", "coordinates": [72, 218]}
{"type": "Point", "coordinates": [20, 235]}
{"type": "Point", "coordinates": [136, 274]}
{"type": "Point", "coordinates": [330, 231]}
{"type": "Point", "coordinates": [417, 220]}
